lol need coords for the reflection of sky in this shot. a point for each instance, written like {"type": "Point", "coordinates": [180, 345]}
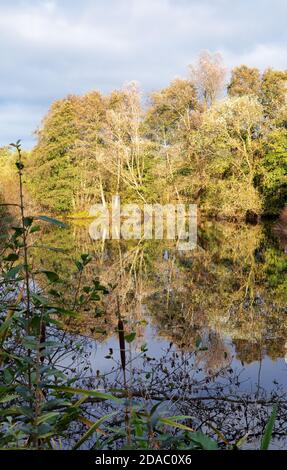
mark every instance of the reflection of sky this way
{"type": "Point", "coordinates": [156, 349]}
{"type": "Point", "coordinates": [265, 372]}
{"type": "Point", "coordinates": [50, 48]}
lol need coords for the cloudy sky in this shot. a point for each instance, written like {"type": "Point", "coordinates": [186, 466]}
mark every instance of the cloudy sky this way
{"type": "Point", "coordinates": [50, 48]}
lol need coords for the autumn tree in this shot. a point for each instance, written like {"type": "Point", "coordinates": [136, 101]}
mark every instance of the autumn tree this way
{"type": "Point", "coordinates": [172, 113]}
{"type": "Point", "coordinates": [270, 88]}
{"type": "Point", "coordinates": [89, 150]}
{"type": "Point", "coordinates": [244, 81]}
{"type": "Point", "coordinates": [208, 76]}
{"type": "Point", "coordinates": [225, 153]}
{"type": "Point", "coordinates": [129, 152]}
{"type": "Point", "coordinates": [171, 110]}
{"type": "Point", "coordinates": [274, 93]}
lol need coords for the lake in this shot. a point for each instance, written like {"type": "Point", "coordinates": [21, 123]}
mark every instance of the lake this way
{"type": "Point", "coordinates": [206, 329]}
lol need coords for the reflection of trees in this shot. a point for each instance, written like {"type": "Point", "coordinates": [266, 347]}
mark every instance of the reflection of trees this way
{"type": "Point", "coordinates": [232, 285]}
{"type": "Point", "coordinates": [249, 352]}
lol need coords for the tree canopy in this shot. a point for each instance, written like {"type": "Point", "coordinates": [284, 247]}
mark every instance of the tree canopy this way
{"type": "Point", "coordinates": [194, 141]}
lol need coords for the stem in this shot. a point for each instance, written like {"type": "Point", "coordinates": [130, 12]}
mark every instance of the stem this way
{"type": "Point", "coordinates": [26, 270]}
{"type": "Point", "coordinates": [25, 246]}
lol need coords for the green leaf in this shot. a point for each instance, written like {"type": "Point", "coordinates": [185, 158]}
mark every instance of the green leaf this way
{"type": "Point", "coordinates": [99, 331]}
{"type": "Point", "coordinates": [172, 421]}
{"type": "Point", "coordinates": [267, 436]}
{"type": "Point", "coordinates": [90, 393]}
{"type": "Point", "coordinates": [30, 342]}
{"type": "Point", "coordinates": [49, 248]}
{"type": "Point", "coordinates": [50, 220]}
{"type": "Point", "coordinates": [93, 429]}
{"type": "Point", "coordinates": [79, 265]}
{"type": "Point", "coordinates": [86, 258]}
{"type": "Point", "coordinates": [205, 442]}
{"type": "Point", "coordinates": [20, 165]}
{"type": "Point", "coordinates": [8, 398]}
{"type": "Point", "coordinates": [54, 293]}
{"type": "Point", "coordinates": [35, 228]}
{"type": "Point", "coordinates": [63, 311]}
{"type": "Point", "coordinates": [47, 417]}
{"type": "Point", "coordinates": [18, 231]}
{"type": "Point", "coordinates": [95, 296]}
{"type": "Point", "coordinates": [11, 257]}
{"type": "Point", "coordinates": [241, 441]}
{"type": "Point", "coordinates": [51, 276]}
{"type": "Point", "coordinates": [130, 337]}
{"type": "Point", "coordinates": [28, 221]}
{"type": "Point", "coordinates": [5, 326]}
{"type": "Point", "coordinates": [40, 299]}
{"type": "Point", "coordinates": [12, 273]}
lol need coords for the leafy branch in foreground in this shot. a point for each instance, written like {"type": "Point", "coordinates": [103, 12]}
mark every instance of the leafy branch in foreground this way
{"type": "Point", "coordinates": [32, 410]}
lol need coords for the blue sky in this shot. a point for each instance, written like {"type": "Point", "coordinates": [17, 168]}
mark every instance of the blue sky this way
{"type": "Point", "coordinates": [50, 48]}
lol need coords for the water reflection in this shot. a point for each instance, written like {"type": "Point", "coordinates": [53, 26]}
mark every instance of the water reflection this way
{"type": "Point", "coordinates": [210, 324]}
{"type": "Point", "coordinates": [232, 286]}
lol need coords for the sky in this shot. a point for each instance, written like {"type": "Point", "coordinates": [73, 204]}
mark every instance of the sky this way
{"type": "Point", "coordinates": [51, 48]}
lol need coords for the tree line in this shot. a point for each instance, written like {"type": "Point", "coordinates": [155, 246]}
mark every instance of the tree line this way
{"type": "Point", "coordinates": [203, 139]}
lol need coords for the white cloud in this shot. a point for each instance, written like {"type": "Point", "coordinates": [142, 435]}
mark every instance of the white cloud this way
{"type": "Point", "coordinates": [260, 56]}
{"type": "Point", "coordinates": [43, 26]}
{"type": "Point", "coordinates": [55, 47]}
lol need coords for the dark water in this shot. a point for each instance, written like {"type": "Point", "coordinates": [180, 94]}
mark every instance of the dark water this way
{"type": "Point", "coordinates": [210, 324]}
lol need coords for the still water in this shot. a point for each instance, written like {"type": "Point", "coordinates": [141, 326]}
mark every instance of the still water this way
{"type": "Point", "coordinates": [207, 327]}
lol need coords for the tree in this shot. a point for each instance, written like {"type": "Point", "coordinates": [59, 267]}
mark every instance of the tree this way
{"type": "Point", "coordinates": [273, 181]}
{"type": "Point", "coordinates": [89, 150]}
{"type": "Point", "coordinates": [128, 150]}
{"type": "Point", "coordinates": [187, 145]}
{"type": "Point", "coordinates": [244, 81]}
{"type": "Point", "coordinates": [271, 89]}
{"type": "Point", "coordinates": [274, 93]}
{"type": "Point", "coordinates": [53, 171]}
{"type": "Point", "coordinates": [7, 175]}
{"type": "Point", "coordinates": [173, 112]}
{"type": "Point", "coordinates": [208, 76]}
{"type": "Point", "coordinates": [225, 156]}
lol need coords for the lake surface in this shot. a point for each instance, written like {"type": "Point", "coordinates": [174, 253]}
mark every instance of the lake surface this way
{"type": "Point", "coordinates": [210, 324]}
